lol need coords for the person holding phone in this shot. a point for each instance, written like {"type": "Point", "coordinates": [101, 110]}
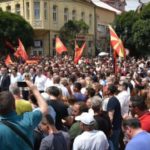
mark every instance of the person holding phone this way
{"type": "Point", "coordinates": [25, 123]}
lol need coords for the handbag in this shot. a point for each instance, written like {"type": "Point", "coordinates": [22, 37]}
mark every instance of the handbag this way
{"type": "Point", "coordinates": [18, 132]}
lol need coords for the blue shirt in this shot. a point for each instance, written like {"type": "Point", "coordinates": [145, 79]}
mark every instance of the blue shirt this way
{"type": "Point", "coordinates": [79, 97]}
{"type": "Point", "coordinates": [139, 142]}
{"type": "Point", "coordinates": [9, 140]}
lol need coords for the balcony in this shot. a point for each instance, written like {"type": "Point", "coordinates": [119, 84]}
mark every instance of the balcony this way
{"type": "Point", "coordinates": [37, 24]}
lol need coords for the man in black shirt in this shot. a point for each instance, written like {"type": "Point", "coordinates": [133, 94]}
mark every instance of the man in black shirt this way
{"type": "Point", "coordinates": [59, 107]}
{"type": "Point", "coordinates": [114, 112]}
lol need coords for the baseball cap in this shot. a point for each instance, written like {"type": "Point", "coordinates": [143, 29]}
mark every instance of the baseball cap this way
{"type": "Point", "coordinates": [86, 118]}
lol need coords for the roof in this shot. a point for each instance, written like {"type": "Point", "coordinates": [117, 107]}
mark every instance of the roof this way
{"type": "Point", "coordinates": [103, 5]}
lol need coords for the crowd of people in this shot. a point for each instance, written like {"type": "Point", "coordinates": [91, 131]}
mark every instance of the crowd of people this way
{"type": "Point", "coordinates": [59, 105]}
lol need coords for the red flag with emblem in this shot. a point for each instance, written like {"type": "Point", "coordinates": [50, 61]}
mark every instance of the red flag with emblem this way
{"type": "Point", "coordinates": [78, 53]}
{"type": "Point", "coordinates": [21, 51]}
{"type": "Point", "coordinates": [60, 47]}
{"type": "Point", "coordinates": [116, 43]}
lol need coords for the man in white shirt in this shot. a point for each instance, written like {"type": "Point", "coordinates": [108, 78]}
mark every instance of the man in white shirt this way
{"type": "Point", "coordinates": [14, 76]}
{"type": "Point", "coordinates": [90, 139]}
{"type": "Point", "coordinates": [56, 82]}
{"type": "Point", "coordinates": [40, 80]}
{"type": "Point", "coordinates": [124, 98]}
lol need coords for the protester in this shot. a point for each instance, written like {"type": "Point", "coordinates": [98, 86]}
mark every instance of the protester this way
{"type": "Point", "coordinates": [24, 124]}
{"type": "Point", "coordinates": [56, 139]}
{"type": "Point", "coordinates": [114, 112]}
{"type": "Point", "coordinates": [21, 105]}
{"type": "Point", "coordinates": [124, 98]}
{"type": "Point", "coordinates": [40, 79]}
{"type": "Point", "coordinates": [140, 139]}
{"type": "Point", "coordinates": [138, 107]}
{"type": "Point", "coordinates": [90, 139]}
{"type": "Point", "coordinates": [59, 107]}
{"type": "Point", "coordinates": [4, 79]}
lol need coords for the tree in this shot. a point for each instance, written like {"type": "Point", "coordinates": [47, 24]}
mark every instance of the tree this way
{"type": "Point", "coordinates": [70, 29]}
{"type": "Point", "coordinates": [141, 31]}
{"type": "Point", "coordinates": [123, 26]}
{"type": "Point", "coordinates": [145, 13]}
{"type": "Point", "coordinates": [134, 29]}
{"type": "Point", "coordinates": [12, 27]}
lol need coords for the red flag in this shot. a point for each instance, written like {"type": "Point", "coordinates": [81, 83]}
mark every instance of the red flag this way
{"type": "Point", "coordinates": [8, 60]}
{"type": "Point", "coordinates": [116, 44]}
{"type": "Point", "coordinates": [60, 47]}
{"type": "Point", "coordinates": [21, 51]}
{"type": "Point", "coordinates": [78, 53]}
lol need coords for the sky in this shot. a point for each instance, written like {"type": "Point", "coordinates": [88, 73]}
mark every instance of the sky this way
{"type": "Point", "coordinates": [133, 4]}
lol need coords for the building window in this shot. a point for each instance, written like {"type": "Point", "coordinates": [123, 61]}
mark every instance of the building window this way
{"type": "Point", "coordinates": [37, 10]}
{"type": "Point", "coordinates": [8, 9]}
{"type": "Point", "coordinates": [74, 15]}
{"type": "Point", "coordinates": [82, 16]}
{"type": "Point", "coordinates": [27, 10]}
{"type": "Point", "coordinates": [17, 9]}
{"type": "Point", "coordinates": [45, 10]}
{"type": "Point", "coordinates": [90, 20]}
{"type": "Point", "coordinates": [102, 29]}
{"type": "Point", "coordinates": [55, 8]}
{"type": "Point", "coordinates": [66, 15]}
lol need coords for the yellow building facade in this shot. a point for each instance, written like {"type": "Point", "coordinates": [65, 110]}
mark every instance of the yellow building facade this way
{"type": "Point", "coordinates": [48, 16]}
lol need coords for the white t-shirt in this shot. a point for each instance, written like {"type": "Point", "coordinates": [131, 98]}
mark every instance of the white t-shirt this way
{"type": "Point", "coordinates": [124, 99]}
{"type": "Point", "coordinates": [15, 79]}
{"type": "Point", "coordinates": [48, 83]}
{"type": "Point", "coordinates": [40, 82]}
{"type": "Point", "coordinates": [91, 140]}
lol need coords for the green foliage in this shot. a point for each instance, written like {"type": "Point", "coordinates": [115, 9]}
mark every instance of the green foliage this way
{"type": "Point", "coordinates": [70, 29]}
{"type": "Point", "coordinates": [134, 29]}
{"type": "Point", "coordinates": [123, 27]}
{"type": "Point", "coordinates": [141, 31]}
{"type": "Point", "coordinates": [145, 13]}
{"type": "Point", "coordinates": [12, 27]}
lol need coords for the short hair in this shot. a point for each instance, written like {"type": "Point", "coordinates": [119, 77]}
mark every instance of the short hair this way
{"type": "Point", "coordinates": [72, 78]}
{"type": "Point", "coordinates": [47, 119]}
{"type": "Point", "coordinates": [96, 103]}
{"type": "Point", "coordinates": [7, 102]}
{"type": "Point", "coordinates": [90, 91]}
{"type": "Point", "coordinates": [132, 122]}
{"type": "Point", "coordinates": [53, 90]}
{"type": "Point", "coordinates": [78, 85]}
{"type": "Point", "coordinates": [56, 79]}
{"type": "Point", "coordinates": [112, 88]}
{"type": "Point", "coordinates": [83, 107]}
{"type": "Point", "coordinates": [125, 85]}
{"type": "Point", "coordinates": [139, 102]}
{"type": "Point", "coordinates": [14, 89]}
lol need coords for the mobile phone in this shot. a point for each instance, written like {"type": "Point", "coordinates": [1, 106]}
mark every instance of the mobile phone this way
{"type": "Point", "coordinates": [22, 84]}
